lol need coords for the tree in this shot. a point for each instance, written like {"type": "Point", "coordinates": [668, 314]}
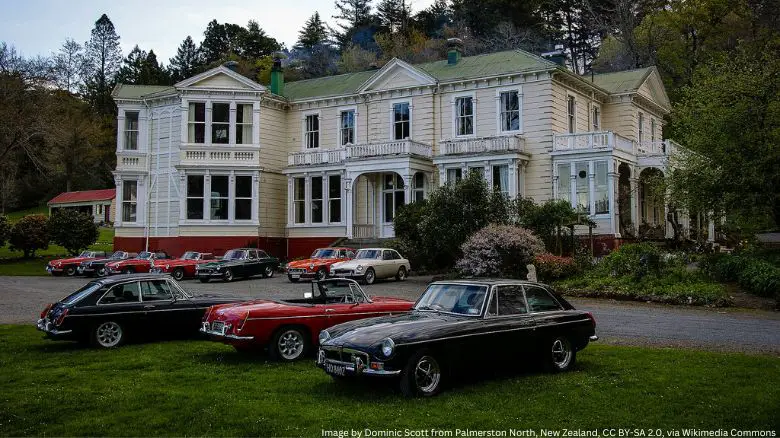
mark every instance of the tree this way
{"type": "Point", "coordinates": [499, 251]}
{"type": "Point", "coordinates": [394, 15]}
{"type": "Point", "coordinates": [102, 60]}
{"type": "Point", "coordinates": [254, 43]}
{"type": "Point", "coordinates": [186, 62]}
{"type": "Point", "coordinates": [141, 68]}
{"type": "Point", "coordinates": [313, 34]}
{"type": "Point", "coordinates": [68, 66]}
{"type": "Point", "coordinates": [73, 230]}
{"type": "Point", "coordinates": [30, 234]}
{"type": "Point", "coordinates": [355, 21]}
{"type": "Point", "coordinates": [5, 230]}
{"type": "Point", "coordinates": [432, 20]}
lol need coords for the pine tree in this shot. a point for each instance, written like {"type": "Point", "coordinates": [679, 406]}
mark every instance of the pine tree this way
{"type": "Point", "coordinates": [354, 16]}
{"type": "Point", "coordinates": [142, 68]}
{"type": "Point", "coordinates": [314, 33]}
{"type": "Point", "coordinates": [68, 66]}
{"type": "Point", "coordinates": [255, 43]}
{"type": "Point", "coordinates": [103, 58]}
{"type": "Point", "coordinates": [215, 42]}
{"type": "Point", "coordinates": [393, 14]}
{"type": "Point", "coordinates": [187, 60]}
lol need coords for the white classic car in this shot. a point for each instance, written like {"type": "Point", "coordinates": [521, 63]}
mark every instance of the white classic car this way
{"type": "Point", "coordinates": [372, 263]}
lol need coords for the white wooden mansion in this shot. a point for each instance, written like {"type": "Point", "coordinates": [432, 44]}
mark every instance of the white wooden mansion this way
{"type": "Point", "coordinates": [218, 160]}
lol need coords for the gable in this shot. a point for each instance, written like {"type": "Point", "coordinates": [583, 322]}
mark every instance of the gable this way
{"type": "Point", "coordinates": [653, 89]}
{"type": "Point", "coordinates": [220, 78]}
{"type": "Point", "coordinates": [218, 81]}
{"type": "Point", "coordinates": [397, 74]}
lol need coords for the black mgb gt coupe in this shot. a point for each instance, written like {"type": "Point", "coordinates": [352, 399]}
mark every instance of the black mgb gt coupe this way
{"type": "Point", "coordinates": [106, 311]}
{"type": "Point", "coordinates": [459, 325]}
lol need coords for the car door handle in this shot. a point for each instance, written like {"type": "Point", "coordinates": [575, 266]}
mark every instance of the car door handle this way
{"type": "Point", "coordinates": [149, 306]}
{"type": "Point", "coordinates": [329, 310]}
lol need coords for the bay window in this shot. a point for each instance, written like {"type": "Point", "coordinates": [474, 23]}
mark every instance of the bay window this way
{"type": "Point", "coordinates": [244, 123]}
{"type": "Point", "coordinates": [196, 125]}
{"type": "Point", "coordinates": [299, 200]}
{"type": "Point", "coordinates": [601, 189]}
{"type": "Point", "coordinates": [582, 187]}
{"type": "Point", "coordinates": [316, 199]}
{"type": "Point", "coordinates": [454, 175]}
{"type": "Point", "coordinates": [401, 121]}
{"type": "Point", "coordinates": [584, 191]}
{"type": "Point", "coordinates": [501, 179]}
{"type": "Point", "coordinates": [464, 116]}
{"type": "Point", "coordinates": [564, 182]}
{"type": "Point", "coordinates": [509, 111]}
{"type": "Point", "coordinates": [195, 196]}
{"type": "Point", "coordinates": [347, 127]}
{"type": "Point", "coordinates": [219, 197]}
{"type": "Point", "coordinates": [418, 187]}
{"type": "Point", "coordinates": [312, 131]}
{"type": "Point", "coordinates": [392, 194]}
{"type": "Point", "coordinates": [131, 131]}
{"type": "Point", "coordinates": [243, 198]}
{"type": "Point", "coordinates": [129, 201]}
{"type": "Point", "coordinates": [334, 198]}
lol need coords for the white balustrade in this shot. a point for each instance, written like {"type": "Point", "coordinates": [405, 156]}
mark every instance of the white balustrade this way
{"type": "Point", "coordinates": [222, 156]}
{"type": "Point", "coordinates": [130, 161]}
{"type": "Point", "coordinates": [482, 145]}
{"type": "Point", "coordinates": [316, 157]}
{"type": "Point", "coordinates": [332, 156]}
{"type": "Point", "coordinates": [364, 231]}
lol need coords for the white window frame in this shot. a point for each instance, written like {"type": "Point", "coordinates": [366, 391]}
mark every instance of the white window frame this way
{"type": "Point", "coordinates": [239, 124]}
{"type": "Point", "coordinates": [234, 195]}
{"type": "Point", "coordinates": [128, 131]}
{"type": "Point", "coordinates": [393, 192]}
{"type": "Point", "coordinates": [340, 129]}
{"type": "Point", "coordinates": [393, 122]}
{"type": "Point", "coordinates": [508, 191]}
{"type": "Point", "coordinates": [456, 117]}
{"type": "Point", "coordinates": [305, 132]}
{"type": "Point", "coordinates": [652, 129]}
{"type": "Point", "coordinates": [330, 200]}
{"type": "Point", "coordinates": [641, 123]}
{"type": "Point", "coordinates": [203, 197]}
{"type": "Point", "coordinates": [499, 124]}
{"type": "Point", "coordinates": [302, 202]}
{"type": "Point", "coordinates": [590, 165]}
{"type": "Point", "coordinates": [416, 189]}
{"type": "Point", "coordinates": [595, 114]}
{"type": "Point", "coordinates": [205, 123]}
{"type": "Point", "coordinates": [212, 198]}
{"type": "Point", "coordinates": [571, 114]}
{"type": "Point", "coordinates": [321, 199]}
{"type": "Point", "coordinates": [126, 202]}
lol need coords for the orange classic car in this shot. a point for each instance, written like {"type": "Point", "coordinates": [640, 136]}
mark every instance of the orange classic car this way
{"type": "Point", "coordinates": [184, 266]}
{"type": "Point", "coordinates": [318, 265]}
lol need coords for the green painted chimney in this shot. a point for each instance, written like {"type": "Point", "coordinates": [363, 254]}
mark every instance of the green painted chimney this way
{"type": "Point", "coordinates": [277, 76]}
{"type": "Point", "coordinates": [454, 50]}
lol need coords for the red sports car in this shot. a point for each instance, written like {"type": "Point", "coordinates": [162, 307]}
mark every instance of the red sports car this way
{"type": "Point", "coordinates": [69, 266]}
{"type": "Point", "coordinates": [290, 328]}
{"type": "Point", "coordinates": [318, 265]}
{"type": "Point", "coordinates": [140, 263]}
{"type": "Point", "coordinates": [184, 266]}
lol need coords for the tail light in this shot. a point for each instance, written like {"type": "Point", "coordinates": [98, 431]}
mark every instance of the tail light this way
{"type": "Point", "coordinates": [592, 319]}
{"type": "Point", "coordinates": [61, 317]}
{"type": "Point", "coordinates": [46, 311]}
{"type": "Point", "coordinates": [240, 326]}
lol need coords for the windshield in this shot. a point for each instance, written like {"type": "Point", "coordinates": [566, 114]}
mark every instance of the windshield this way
{"type": "Point", "coordinates": [77, 296]}
{"type": "Point", "coordinates": [190, 255]}
{"type": "Point", "coordinates": [369, 254]}
{"type": "Point", "coordinates": [86, 254]}
{"type": "Point", "coordinates": [118, 255]}
{"type": "Point", "coordinates": [463, 299]}
{"type": "Point", "coordinates": [234, 255]}
{"type": "Point", "coordinates": [325, 254]}
{"type": "Point", "coordinates": [144, 255]}
{"type": "Point", "coordinates": [341, 291]}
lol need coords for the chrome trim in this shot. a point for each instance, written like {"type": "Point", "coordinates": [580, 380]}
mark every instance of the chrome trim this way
{"type": "Point", "coordinates": [364, 369]}
{"type": "Point", "coordinates": [48, 327]}
{"type": "Point", "coordinates": [593, 338]}
{"type": "Point", "coordinates": [134, 311]}
{"type": "Point", "coordinates": [227, 336]}
{"type": "Point", "coordinates": [327, 315]}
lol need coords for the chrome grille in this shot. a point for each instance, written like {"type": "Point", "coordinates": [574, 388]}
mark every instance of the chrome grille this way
{"type": "Point", "coordinates": [296, 271]}
{"type": "Point", "coordinates": [218, 326]}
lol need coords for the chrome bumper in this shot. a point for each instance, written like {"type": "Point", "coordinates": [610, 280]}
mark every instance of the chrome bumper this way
{"type": "Point", "coordinates": [48, 328]}
{"type": "Point", "coordinates": [593, 338]}
{"type": "Point", "coordinates": [357, 368]}
{"type": "Point", "coordinates": [209, 274]}
{"type": "Point", "coordinates": [203, 329]}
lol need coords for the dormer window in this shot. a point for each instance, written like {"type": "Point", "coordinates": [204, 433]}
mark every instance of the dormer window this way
{"type": "Point", "coordinates": [131, 131]}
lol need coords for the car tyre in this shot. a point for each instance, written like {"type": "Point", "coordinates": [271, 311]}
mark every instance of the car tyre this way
{"type": "Point", "coordinates": [268, 271]}
{"type": "Point", "coordinates": [228, 275]}
{"type": "Point", "coordinates": [292, 280]}
{"type": "Point", "coordinates": [560, 354]}
{"type": "Point", "coordinates": [178, 274]}
{"type": "Point", "coordinates": [321, 274]}
{"type": "Point", "coordinates": [289, 344]}
{"type": "Point", "coordinates": [401, 275]}
{"type": "Point", "coordinates": [370, 276]}
{"type": "Point", "coordinates": [422, 375]}
{"type": "Point", "coordinates": [70, 270]}
{"type": "Point", "coordinates": [108, 334]}
{"type": "Point", "coordinates": [101, 272]}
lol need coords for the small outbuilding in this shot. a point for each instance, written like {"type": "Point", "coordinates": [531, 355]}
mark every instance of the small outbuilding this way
{"type": "Point", "coordinates": [100, 204]}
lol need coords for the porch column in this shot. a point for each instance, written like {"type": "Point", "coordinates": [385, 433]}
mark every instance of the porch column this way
{"type": "Point", "coordinates": [407, 188]}
{"type": "Point", "coordinates": [613, 184]}
{"type": "Point", "coordinates": [350, 206]}
{"type": "Point", "coordinates": [634, 183]}
{"type": "Point", "coordinates": [513, 192]}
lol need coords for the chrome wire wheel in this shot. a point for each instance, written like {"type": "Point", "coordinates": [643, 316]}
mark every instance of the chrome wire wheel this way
{"type": "Point", "coordinates": [401, 275]}
{"type": "Point", "coordinates": [269, 271]}
{"type": "Point", "coordinates": [108, 334]}
{"type": "Point", "coordinates": [101, 272]}
{"type": "Point", "coordinates": [290, 345]}
{"type": "Point", "coordinates": [561, 353]}
{"type": "Point", "coordinates": [70, 271]}
{"type": "Point", "coordinates": [321, 275]}
{"type": "Point", "coordinates": [370, 276]}
{"type": "Point", "coordinates": [228, 275]}
{"type": "Point", "coordinates": [427, 375]}
{"type": "Point", "coordinates": [178, 274]}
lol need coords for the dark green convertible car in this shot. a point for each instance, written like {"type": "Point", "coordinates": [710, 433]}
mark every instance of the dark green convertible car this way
{"type": "Point", "coordinates": [237, 263]}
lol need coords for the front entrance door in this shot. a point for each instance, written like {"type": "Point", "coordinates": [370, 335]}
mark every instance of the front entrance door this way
{"type": "Point", "coordinates": [393, 197]}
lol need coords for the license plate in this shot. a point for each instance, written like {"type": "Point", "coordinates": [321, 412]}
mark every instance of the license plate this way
{"type": "Point", "coordinates": [335, 369]}
{"type": "Point", "coordinates": [295, 275]}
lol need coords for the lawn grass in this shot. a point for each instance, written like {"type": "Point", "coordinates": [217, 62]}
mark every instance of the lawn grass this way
{"type": "Point", "coordinates": [204, 388]}
{"type": "Point", "coordinates": [12, 263]}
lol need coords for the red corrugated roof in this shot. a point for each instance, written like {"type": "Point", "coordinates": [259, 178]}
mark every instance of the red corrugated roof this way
{"type": "Point", "coordinates": [84, 196]}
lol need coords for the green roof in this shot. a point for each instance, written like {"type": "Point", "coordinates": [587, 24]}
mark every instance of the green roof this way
{"type": "Point", "coordinates": [621, 81]}
{"type": "Point", "coordinates": [122, 91]}
{"type": "Point", "coordinates": [490, 64]}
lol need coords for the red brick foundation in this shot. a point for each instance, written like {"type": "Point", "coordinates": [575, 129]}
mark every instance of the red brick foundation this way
{"type": "Point", "coordinates": [284, 248]}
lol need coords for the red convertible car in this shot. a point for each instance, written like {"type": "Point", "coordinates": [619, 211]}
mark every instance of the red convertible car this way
{"type": "Point", "coordinates": [290, 328]}
{"type": "Point", "coordinates": [140, 263]}
{"type": "Point", "coordinates": [184, 266]}
{"type": "Point", "coordinates": [318, 265]}
{"type": "Point", "coordinates": [69, 266]}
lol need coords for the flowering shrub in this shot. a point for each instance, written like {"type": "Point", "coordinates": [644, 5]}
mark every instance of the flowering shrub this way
{"type": "Point", "coordinates": [551, 267]}
{"type": "Point", "coordinates": [499, 250]}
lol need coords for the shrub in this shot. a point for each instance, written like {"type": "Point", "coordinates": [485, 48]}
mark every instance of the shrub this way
{"type": "Point", "coordinates": [551, 267]}
{"type": "Point", "coordinates": [73, 230]}
{"type": "Point", "coordinates": [636, 259]}
{"type": "Point", "coordinates": [756, 276]}
{"type": "Point", "coordinates": [499, 250]}
{"type": "Point", "coordinates": [30, 234]}
{"type": "Point", "coordinates": [5, 230]}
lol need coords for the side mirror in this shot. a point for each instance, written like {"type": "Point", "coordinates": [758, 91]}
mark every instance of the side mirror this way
{"type": "Point", "coordinates": [308, 295]}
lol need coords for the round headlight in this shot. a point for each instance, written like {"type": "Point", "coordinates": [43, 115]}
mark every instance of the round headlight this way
{"type": "Point", "coordinates": [167, 266]}
{"type": "Point", "coordinates": [311, 266]}
{"type": "Point", "coordinates": [387, 347]}
{"type": "Point", "coordinates": [324, 336]}
{"type": "Point", "coordinates": [359, 268]}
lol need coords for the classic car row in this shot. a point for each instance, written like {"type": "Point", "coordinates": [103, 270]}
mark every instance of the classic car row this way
{"type": "Point", "coordinates": [453, 326]}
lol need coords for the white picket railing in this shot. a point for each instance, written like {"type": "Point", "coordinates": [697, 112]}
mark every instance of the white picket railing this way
{"type": "Point", "coordinates": [658, 148]}
{"type": "Point", "coordinates": [222, 156]}
{"type": "Point", "coordinates": [130, 161]}
{"type": "Point", "coordinates": [482, 145]}
{"type": "Point", "coordinates": [379, 149]}
{"type": "Point", "coordinates": [316, 157]}
{"type": "Point", "coordinates": [592, 140]}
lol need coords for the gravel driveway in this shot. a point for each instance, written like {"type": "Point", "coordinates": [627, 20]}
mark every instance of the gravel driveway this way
{"type": "Point", "coordinates": [23, 298]}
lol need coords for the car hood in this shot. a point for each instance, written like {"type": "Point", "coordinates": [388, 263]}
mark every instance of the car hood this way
{"type": "Point", "coordinates": [316, 262]}
{"type": "Point", "coordinates": [221, 263]}
{"type": "Point", "coordinates": [102, 261]}
{"type": "Point", "coordinates": [72, 260]}
{"type": "Point", "coordinates": [255, 308]}
{"type": "Point", "coordinates": [410, 327]}
{"type": "Point", "coordinates": [352, 264]}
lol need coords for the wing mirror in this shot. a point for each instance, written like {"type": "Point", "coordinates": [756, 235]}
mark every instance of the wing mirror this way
{"type": "Point", "coordinates": [308, 295]}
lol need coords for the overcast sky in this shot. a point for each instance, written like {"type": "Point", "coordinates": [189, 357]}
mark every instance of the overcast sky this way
{"type": "Point", "coordinates": [39, 27]}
